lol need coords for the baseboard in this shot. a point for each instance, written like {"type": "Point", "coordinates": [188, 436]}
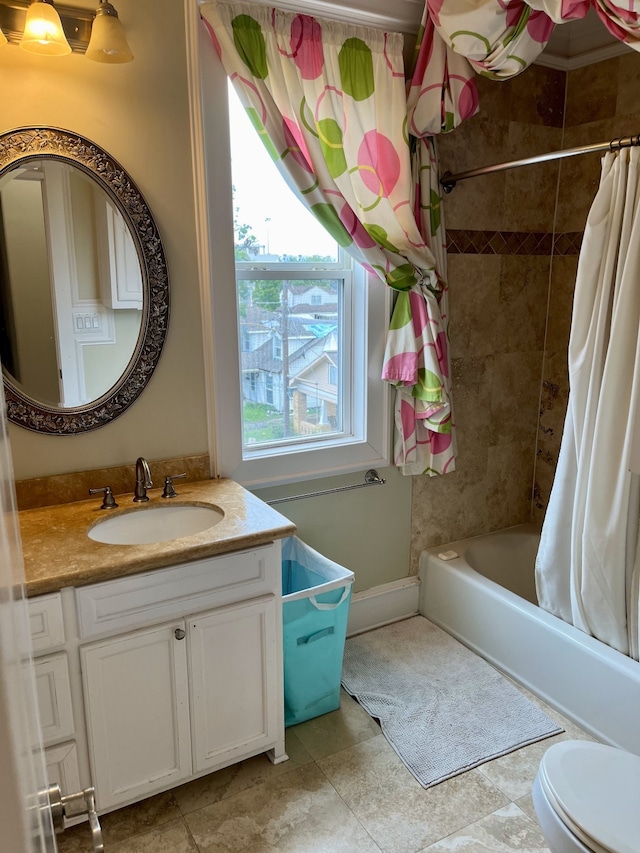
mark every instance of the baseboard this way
{"type": "Point", "coordinates": [383, 604]}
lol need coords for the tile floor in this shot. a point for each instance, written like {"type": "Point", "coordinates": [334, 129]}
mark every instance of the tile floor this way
{"type": "Point", "coordinates": [344, 790]}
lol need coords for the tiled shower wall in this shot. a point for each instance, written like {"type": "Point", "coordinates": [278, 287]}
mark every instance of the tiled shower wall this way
{"type": "Point", "coordinates": [514, 239]}
{"type": "Point", "coordinates": [603, 102]}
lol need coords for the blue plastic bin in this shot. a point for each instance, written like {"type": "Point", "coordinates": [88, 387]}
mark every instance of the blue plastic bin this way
{"type": "Point", "coordinates": [316, 593]}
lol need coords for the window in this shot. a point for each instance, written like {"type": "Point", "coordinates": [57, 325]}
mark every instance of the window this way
{"type": "Point", "coordinates": [277, 346]}
{"type": "Point", "coordinates": [295, 380]}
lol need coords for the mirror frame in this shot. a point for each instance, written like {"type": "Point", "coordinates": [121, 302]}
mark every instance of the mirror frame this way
{"type": "Point", "coordinates": [38, 143]}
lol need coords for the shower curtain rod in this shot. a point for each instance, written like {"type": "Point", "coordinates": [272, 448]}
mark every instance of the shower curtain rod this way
{"type": "Point", "coordinates": [449, 181]}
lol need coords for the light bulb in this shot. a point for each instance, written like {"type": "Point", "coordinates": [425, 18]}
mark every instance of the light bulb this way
{"type": "Point", "coordinates": [43, 31]}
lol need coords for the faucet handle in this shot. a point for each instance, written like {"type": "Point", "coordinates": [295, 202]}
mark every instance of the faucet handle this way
{"type": "Point", "coordinates": [109, 501]}
{"type": "Point", "coordinates": [169, 491]}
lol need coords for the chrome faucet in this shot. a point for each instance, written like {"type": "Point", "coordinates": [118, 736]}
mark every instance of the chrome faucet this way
{"type": "Point", "coordinates": [143, 480]}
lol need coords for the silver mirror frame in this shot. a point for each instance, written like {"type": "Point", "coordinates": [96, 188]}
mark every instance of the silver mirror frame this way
{"type": "Point", "coordinates": [37, 143]}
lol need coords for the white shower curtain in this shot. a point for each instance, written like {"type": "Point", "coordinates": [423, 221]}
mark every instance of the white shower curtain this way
{"type": "Point", "coordinates": [586, 569]}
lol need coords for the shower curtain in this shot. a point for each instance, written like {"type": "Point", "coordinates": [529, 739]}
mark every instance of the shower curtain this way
{"type": "Point", "coordinates": [587, 566]}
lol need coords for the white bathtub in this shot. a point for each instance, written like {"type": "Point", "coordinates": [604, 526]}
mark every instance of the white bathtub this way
{"type": "Point", "coordinates": [485, 597]}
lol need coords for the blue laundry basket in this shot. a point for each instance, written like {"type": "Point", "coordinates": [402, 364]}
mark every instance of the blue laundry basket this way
{"type": "Point", "coordinates": [316, 593]}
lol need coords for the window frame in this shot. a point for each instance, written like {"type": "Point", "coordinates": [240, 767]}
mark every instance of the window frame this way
{"type": "Point", "coordinates": [365, 447]}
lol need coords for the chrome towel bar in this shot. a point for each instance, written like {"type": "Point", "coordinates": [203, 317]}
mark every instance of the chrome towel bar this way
{"type": "Point", "coordinates": [371, 478]}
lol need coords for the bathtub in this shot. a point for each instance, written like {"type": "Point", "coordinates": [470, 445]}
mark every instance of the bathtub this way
{"type": "Point", "coordinates": [485, 597]}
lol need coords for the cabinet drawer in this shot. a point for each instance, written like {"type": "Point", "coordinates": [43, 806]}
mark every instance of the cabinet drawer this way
{"type": "Point", "coordinates": [45, 621]}
{"type": "Point", "coordinates": [54, 697]}
{"type": "Point", "coordinates": [144, 599]}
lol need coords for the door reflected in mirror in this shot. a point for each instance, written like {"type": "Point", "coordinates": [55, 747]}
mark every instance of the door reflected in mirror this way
{"type": "Point", "coordinates": [71, 288]}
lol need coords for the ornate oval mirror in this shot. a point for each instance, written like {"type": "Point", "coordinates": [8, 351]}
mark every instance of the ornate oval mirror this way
{"type": "Point", "coordinates": [84, 289]}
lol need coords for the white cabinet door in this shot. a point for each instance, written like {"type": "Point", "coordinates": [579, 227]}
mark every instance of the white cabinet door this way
{"type": "Point", "coordinates": [234, 679]}
{"type": "Point", "coordinates": [137, 705]}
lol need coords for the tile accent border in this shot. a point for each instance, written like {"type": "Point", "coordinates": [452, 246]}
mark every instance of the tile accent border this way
{"type": "Point", "coordinates": [67, 488]}
{"type": "Point", "coordinates": [468, 242]}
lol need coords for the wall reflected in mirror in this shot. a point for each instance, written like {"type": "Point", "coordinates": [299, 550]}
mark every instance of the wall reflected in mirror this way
{"type": "Point", "coordinates": [71, 288]}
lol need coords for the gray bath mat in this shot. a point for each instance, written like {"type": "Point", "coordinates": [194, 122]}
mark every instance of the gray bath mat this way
{"type": "Point", "coordinates": [441, 707]}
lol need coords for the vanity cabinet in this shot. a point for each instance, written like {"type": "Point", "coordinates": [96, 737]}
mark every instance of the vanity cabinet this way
{"type": "Point", "coordinates": [156, 663]}
{"type": "Point", "coordinates": [185, 674]}
{"type": "Point", "coordinates": [170, 701]}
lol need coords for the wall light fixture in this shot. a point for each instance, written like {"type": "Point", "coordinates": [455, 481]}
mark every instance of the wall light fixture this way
{"type": "Point", "coordinates": [108, 40]}
{"type": "Point", "coordinates": [39, 26]}
{"type": "Point", "coordinates": [43, 33]}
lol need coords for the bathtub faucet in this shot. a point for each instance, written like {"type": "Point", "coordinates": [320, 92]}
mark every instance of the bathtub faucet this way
{"type": "Point", "coordinates": [143, 480]}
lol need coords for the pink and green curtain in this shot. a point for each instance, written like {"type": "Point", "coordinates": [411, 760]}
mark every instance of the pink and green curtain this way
{"type": "Point", "coordinates": [461, 38]}
{"type": "Point", "coordinates": [328, 100]}
{"type": "Point", "coordinates": [424, 432]}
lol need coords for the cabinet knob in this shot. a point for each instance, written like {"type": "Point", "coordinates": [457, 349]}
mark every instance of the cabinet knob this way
{"type": "Point", "coordinates": [179, 634]}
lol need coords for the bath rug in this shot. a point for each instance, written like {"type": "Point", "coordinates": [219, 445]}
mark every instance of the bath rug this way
{"type": "Point", "coordinates": [442, 708]}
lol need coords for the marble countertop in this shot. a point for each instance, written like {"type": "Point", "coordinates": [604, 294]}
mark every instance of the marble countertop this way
{"type": "Point", "coordinates": [58, 553]}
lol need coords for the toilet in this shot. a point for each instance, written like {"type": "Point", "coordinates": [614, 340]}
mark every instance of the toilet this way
{"type": "Point", "coordinates": [587, 798]}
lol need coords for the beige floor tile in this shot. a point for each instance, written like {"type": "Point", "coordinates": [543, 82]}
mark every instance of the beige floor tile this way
{"type": "Point", "coordinates": [400, 815]}
{"type": "Point", "coordinates": [77, 839]}
{"type": "Point", "coordinates": [299, 812]}
{"type": "Point", "coordinates": [571, 729]}
{"type": "Point", "coordinates": [507, 830]}
{"type": "Point", "coordinates": [340, 729]}
{"type": "Point", "coordinates": [297, 752]}
{"type": "Point", "coordinates": [344, 790]}
{"type": "Point", "coordinates": [514, 773]}
{"type": "Point", "coordinates": [172, 837]}
{"type": "Point", "coordinates": [526, 804]}
{"type": "Point", "coordinates": [231, 780]}
{"type": "Point", "coordinates": [132, 820]}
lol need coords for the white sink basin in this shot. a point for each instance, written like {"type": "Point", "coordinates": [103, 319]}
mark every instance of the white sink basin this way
{"type": "Point", "coordinates": [149, 524]}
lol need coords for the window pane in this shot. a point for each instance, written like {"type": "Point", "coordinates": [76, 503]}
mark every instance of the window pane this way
{"type": "Point", "coordinates": [271, 225]}
{"type": "Point", "coordinates": [290, 360]}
